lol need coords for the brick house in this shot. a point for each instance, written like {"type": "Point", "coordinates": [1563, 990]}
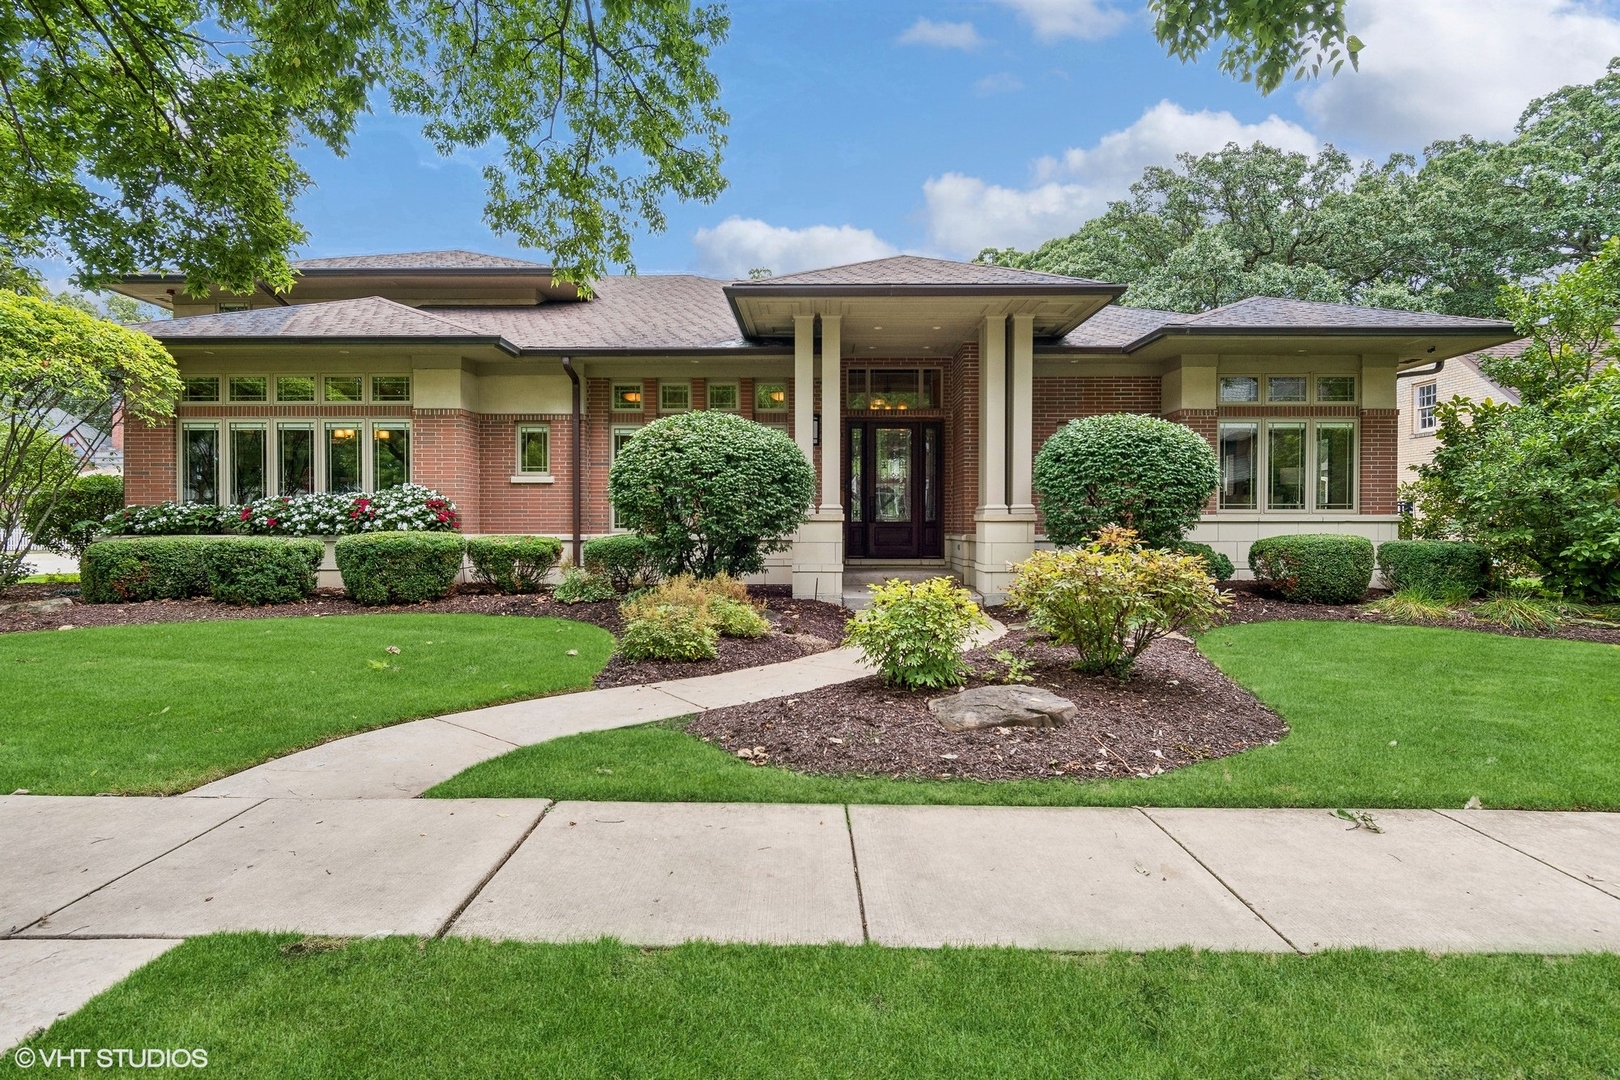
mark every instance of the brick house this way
{"type": "Point", "coordinates": [1428, 385]}
{"type": "Point", "coordinates": [920, 389]}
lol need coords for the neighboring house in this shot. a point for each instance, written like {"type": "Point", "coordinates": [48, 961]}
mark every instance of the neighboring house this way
{"type": "Point", "coordinates": [1424, 387]}
{"type": "Point", "coordinates": [921, 390]}
{"type": "Point", "coordinates": [99, 452]}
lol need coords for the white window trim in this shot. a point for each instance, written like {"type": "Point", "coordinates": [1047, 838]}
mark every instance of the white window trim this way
{"type": "Point", "coordinates": [369, 388]}
{"type": "Point", "coordinates": [787, 393]}
{"type": "Point", "coordinates": [275, 388]}
{"type": "Point", "coordinates": [671, 384]}
{"type": "Point", "coordinates": [1418, 427]}
{"type": "Point", "coordinates": [1263, 390]}
{"type": "Point", "coordinates": [613, 398]}
{"type": "Point", "coordinates": [1262, 465]}
{"type": "Point", "coordinates": [273, 426]}
{"type": "Point", "coordinates": [708, 391]}
{"type": "Point", "coordinates": [519, 474]}
{"type": "Point", "coordinates": [613, 442]}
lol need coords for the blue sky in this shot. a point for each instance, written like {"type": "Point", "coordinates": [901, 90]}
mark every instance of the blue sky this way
{"type": "Point", "coordinates": [864, 127]}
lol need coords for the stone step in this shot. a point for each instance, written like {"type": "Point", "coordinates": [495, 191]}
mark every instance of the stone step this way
{"type": "Point", "coordinates": [857, 596]}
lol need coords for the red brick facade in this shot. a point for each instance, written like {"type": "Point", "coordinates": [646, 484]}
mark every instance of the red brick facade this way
{"type": "Point", "coordinates": [1380, 438]}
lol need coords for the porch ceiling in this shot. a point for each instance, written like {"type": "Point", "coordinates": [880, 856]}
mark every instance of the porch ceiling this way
{"type": "Point", "coordinates": [912, 325]}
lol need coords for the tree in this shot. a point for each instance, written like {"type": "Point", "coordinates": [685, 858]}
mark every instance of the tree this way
{"type": "Point", "coordinates": [158, 134]}
{"type": "Point", "coordinates": [1134, 472]}
{"type": "Point", "coordinates": [63, 372]}
{"type": "Point", "coordinates": [1569, 322]}
{"type": "Point", "coordinates": [711, 492]}
{"type": "Point", "coordinates": [1266, 40]}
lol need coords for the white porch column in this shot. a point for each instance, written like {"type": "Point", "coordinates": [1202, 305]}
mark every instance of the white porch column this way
{"type": "Point", "coordinates": [804, 382]}
{"type": "Point", "coordinates": [1021, 454]}
{"type": "Point", "coordinates": [832, 381]}
{"type": "Point", "coordinates": [993, 415]}
{"type": "Point", "coordinates": [818, 547]}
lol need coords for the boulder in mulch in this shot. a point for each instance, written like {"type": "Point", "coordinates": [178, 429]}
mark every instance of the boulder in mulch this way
{"type": "Point", "coordinates": [1002, 706]}
{"type": "Point", "coordinates": [37, 607]}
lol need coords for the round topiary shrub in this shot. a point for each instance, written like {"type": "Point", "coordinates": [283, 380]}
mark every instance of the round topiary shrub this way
{"type": "Point", "coordinates": [711, 492]}
{"type": "Point", "coordinates": [400, 567]}
{"type": "Point", "coordinates": [1314, 568]}
{"type": "Point", "coordinates": [1137, 472]}
{"type": "Point", "coordinates": [513, 564]}
{"type": "Point", "coordinates": [1440, 568]}
{"type": "Point", "coordinates": [1218, 566]}
{"type": "Point", "coordinates": [623, 560]}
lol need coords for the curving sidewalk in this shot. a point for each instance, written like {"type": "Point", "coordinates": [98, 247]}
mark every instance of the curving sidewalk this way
{"type": "Point", "coordinates": [402, 761]}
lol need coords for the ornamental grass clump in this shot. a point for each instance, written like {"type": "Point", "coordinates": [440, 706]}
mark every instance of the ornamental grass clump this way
{"type": "Point", "coordinates": [914, 632]}
{"type": "Point", "coordinates": [684, 618]}
{"type": "Point", "coordinates": [1112, 598]}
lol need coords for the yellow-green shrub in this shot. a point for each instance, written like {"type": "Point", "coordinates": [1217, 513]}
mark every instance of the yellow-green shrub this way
{"type": "Point", "coordinates": [681, 618]}
{"type": "Point", "coordinates": [914, 632]}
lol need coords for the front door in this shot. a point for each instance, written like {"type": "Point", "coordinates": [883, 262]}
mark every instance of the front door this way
{"type": "Point", "coordinates": [893, 475]}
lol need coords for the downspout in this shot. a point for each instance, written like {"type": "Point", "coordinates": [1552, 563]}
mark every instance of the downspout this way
{"type": "Point", "coordinates": [1439, 365]}
{"type": "Point", "coordinates": [578, 466]}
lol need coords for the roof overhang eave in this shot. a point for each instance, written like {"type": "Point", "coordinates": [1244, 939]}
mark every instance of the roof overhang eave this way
{"type": "Point", "coordinates": [1502, 330]}
{"type": "Point", "coordinates": [352, 342]}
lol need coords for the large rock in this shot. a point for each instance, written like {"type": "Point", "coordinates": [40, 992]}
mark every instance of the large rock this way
{"type": "Point", "coordinates": [1002, 706]}
{"type": "Point", "coordinates": [37, 607]}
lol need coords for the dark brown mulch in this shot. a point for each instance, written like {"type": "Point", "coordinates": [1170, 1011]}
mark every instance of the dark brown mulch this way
{"type": "Point", "coordinates": [803, 626]}
{"type": "Point", "coordinates": [1177, 709]}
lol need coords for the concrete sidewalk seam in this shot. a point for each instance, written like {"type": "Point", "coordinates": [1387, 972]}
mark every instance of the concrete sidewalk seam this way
{"type": "Point", "coordinates": [17, 931]}
{"type": "Point", "coordinates": [483, 883]}
{"type": "Point", "coordinates": [1174, 839]}
{"type": "Point", "coordinates": [855, 863]}
{"type": "Point", "coordinates": [1451, 816]}
{"type": "Point", "coordinates": [465, 727]}
{"type": "Point", "coordinates": [101, 937]}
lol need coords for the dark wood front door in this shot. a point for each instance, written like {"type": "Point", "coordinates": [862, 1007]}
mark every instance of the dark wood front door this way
{"type": "Point", "coordinates": [894, 474]}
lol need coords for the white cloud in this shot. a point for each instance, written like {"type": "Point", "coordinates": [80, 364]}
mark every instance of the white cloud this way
{"type": "Point", "coordinates": [999, 83]}
{"type": "Point", "coordinates": [1084, 19]}
{"type": "Point", "coordinates": [738, 245]}
{"type": "Point", "coordinates": [942, 35]}
{"type": "Point", "coordinates": [1444, 68]}
{"type": "Point", "coordinates": [966, 213]}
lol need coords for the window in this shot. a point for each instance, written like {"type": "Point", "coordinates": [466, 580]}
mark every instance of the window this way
{"type": "Point", "coordinates": [342, 387]}
{"type": "Point", "coordinates": [295, 388]}
{"type": "Point", "coordinates": [248, 452]}
{"type": "Point", "coordinates": [1288, 465]}
{"type": "Point", "coordinates": [674, 396]}
{"type": "Point", "coordinates": [723, 396]}
{"type": "Point", "coordinates": [249, 388]}
{"type": "Point", "coordinates": [1240, 454]}
{"type": "Point", "coordinates": [343, 458]}
{"type": "Point", "coordinates": [390, 388]}
{"type": "Point", "coordinates": [1286, 388]}
{"type": "Point", "coordinates": [883, 389]}
{"type": "Point", "coordinates": [1336, 388]}
{"type": "Point", "coordinates": [1239, 389]}
{"type": "Point", "coordinates": [627, 397]}
{"type": "Point", "coordinates": [621, 436]}
{"type": "Point", "coordinates": [199, 463]}
{"type": "Point", "coordinates": [770, 397]}
{"type": "Point", "coordinates": [1425, 397]}
{"type": "Point", "coordinates": [199, 388]}
{"type": "Point", "coordinates": [534, 449]}
{"type": "Point", "coordinates": [295, 455]}
{"type": "Point", "coordinates": [234, 305]}
{"type": "Point", "coordinates": [390, 455]}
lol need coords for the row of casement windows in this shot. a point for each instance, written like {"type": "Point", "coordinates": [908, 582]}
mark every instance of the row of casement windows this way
{"type": "Point", "coordinates": [240, 463]}
{"type": "Point", "coordinates": [1287, 389]}
{"type": "Point", "coordinates": [295, 389]}
{"type": "Point", "coordinates": [1288, 465]}
{"type": "Point", "coordinates": [676, 396]}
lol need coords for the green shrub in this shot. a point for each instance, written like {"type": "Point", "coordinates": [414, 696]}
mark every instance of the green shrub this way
{"type": "Point", "coordinates": [1112, 599]}
{"type": "Point", "coordinates": [1435, 567]}
{"type": "Point", "coordinates": [513, 564]}
{"type": "Point", "coordinates": [721, 601]}
{"type": "Point", "coordinates": [1136, 472]}
{"type": "Point", "coordinates": [1314, 568]}
{"type": "Point", "coordinates": [147, 568]}
{"type": "Point", "coordinates": [737, 620]}
{"type": "Point", "coordinates": [250, 570]}
{"type": "Point", "coordinates": [711, 492]}
{"type": "Point", "coordinates": [1216, 565]}
{"type": "Point", "coordinates": [655, 631]}
{"type": "Point", "coordinates": [624, 561]}
{"type": "Point", "coordinates": [914, 632]}
{"type": "Point", "coordinates": [399, 568]}
{"type": "Point", "coordinates": [69, 519]}
{"type": "Point", "coordinates": [581, 587]}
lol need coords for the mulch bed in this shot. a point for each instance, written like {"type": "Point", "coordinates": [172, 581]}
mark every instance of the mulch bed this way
{"type": "Point", "coordinates": [1176, 709]}
{"type": "Point", "coordinates": [801, 626]}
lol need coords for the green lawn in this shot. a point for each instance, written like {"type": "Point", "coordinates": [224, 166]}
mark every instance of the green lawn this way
{"type": "Point", "coordinates": [455, 1008]}
{"type": "Point", "coordinates": [165, 707]}
{"type": "Point", "coordinates": [1381, 716]}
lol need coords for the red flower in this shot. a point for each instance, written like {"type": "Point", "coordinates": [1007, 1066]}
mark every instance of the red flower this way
{"type": "Point", "coordinates": [247, 512]}
{"type": "Point", "coordinates": [271, 523]}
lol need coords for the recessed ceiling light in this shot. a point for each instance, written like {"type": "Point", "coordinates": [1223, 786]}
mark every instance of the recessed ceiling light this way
{"type": "Point", "coordinates": [936, 328]}
{"type": "Point", "coordinates": [877, 327]}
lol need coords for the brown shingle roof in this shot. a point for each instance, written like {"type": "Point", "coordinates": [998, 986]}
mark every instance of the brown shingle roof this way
{"type": "Point", "coordinates": [452, 259]}
{"type": "Point", "coordinates": [366, 317]}
{"type": "Point", "coordinates": [1125, 328]}
{"type": "Point", "coordinates": [916, 270]}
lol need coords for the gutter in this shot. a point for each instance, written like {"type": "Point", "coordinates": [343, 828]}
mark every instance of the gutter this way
{"type": "Point", "coordinates": [1436, 368]}
{"type": "Point", "coordinates": [577, 468]}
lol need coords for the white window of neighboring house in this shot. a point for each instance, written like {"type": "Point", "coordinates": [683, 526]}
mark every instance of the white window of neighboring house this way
{"type": "Point", "coordinates": [1425, 396]}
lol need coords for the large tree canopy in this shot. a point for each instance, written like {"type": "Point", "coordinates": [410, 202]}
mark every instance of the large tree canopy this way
{"type": "Point", "coordinates": [1444, 235]}
{"type": "Point", "coordinates": [141, 134]}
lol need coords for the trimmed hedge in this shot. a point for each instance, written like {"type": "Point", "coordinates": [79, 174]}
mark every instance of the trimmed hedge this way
{"type": "Point", "coordinates": [625, 560]}
{"type": "Point", "coordinates": [513, 564]}
{"type": "Point", "coordinates": [1314, 568]}
{"type": "Point", "coordinates": [1437, 567]}
{"type": "Point", "coordinates": [399, 568]}
{"type": "Point", "coordinates": [148, 568]}
{"type": "Point", "coordinates": [1219, 566]}
{"type": "Point", "coordinates": [249, 571]}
